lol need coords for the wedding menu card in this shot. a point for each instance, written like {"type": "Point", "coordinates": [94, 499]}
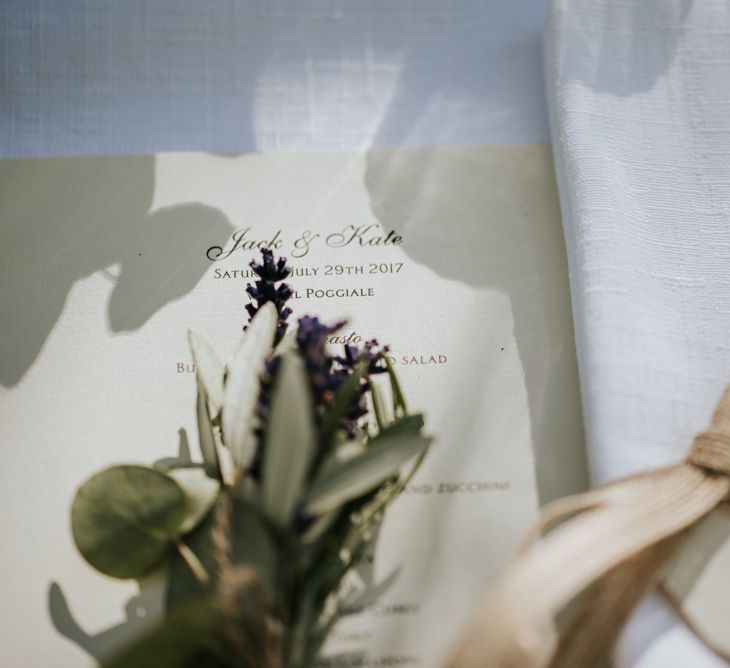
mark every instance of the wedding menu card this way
{"type": "Point", "coordinates": [452, 256]}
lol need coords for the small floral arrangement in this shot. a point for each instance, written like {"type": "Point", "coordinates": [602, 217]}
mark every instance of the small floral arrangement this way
{"type": "Point", "coordinates": [301, 455]}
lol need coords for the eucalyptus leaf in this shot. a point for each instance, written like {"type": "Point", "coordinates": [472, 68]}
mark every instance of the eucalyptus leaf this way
{"type": "Point", "coordinates": [206, 437]}
{"type": "Point", "coordinates": [201, 493]}
{"type": "Point", "coordinates": [345, 481]}
{"type": "Point", "coordinates": [242, 385]}
{"type": "Point", "coordinates": [290, 440]}
{"type": "Point", "coordinates": [209, 370]}
{"type": "Point", "coordinates": [124, 518]}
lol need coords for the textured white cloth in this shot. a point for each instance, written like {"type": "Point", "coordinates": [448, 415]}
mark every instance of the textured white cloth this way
{"type": "Point", "coordinates": [106, 77]}
{"type": "Point", "coordinates": [639, 95]}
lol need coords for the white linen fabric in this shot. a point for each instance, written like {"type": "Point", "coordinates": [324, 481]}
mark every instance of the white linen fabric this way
{"type": "Point", "coordinates": [639, 96]}
{"type": "Point", "coordinates": [105, 77]}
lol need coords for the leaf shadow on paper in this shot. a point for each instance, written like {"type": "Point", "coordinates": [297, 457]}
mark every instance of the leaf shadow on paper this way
{"type": "Point", "coordinates": [139, 611]}
{"type": "Point", "coordinates": [490, 219]}
{"type": "Point", "coordinates": [66, 219]}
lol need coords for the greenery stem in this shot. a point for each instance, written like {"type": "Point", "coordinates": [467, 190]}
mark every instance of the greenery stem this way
{"type": "Point", "coordinates": [378, 407]}
{"type": "Point", "coordinates": [399, 401]}
{"type": "Point", "coordinates": [193, 563]}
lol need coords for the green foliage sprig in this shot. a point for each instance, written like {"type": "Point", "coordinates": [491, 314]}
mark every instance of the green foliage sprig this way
{"type": "Point", "coordinates": [301, 455]}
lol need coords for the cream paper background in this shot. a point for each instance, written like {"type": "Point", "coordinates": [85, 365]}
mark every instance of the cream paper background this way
{"type": "Point", "coordinates": [104, 269]}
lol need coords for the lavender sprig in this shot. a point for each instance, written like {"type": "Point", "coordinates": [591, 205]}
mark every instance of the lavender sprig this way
{"type": "Point", "coordinates": [265, 289]}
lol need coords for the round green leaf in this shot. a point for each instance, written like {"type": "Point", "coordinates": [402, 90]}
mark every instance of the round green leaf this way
{"type": "Point", "coordinates": [124, 518]}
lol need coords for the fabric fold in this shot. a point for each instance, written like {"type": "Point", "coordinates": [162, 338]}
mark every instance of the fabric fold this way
{"type": "Point", "coordinates": [639, 99]}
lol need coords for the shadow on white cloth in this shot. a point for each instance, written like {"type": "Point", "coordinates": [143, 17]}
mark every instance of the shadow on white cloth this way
{"type": "Point", "coordinates": [639, 96]}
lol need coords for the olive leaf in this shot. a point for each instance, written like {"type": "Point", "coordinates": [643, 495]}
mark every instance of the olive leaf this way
{"type": "Point", "coordinates": [339, 482]}
{"type": "Point", "coordinates": [290, 440]}
{"type": "Point", "coordinates": [124, 518]}
{"type": "Point", "coordinates": [209, 370]}
{"type": "Point", "coordinates": [344, 452]}
{"type": "Point", "coordinates": [381, 416]}
{"type": "Point", "coordinates": [242, 384]}
{"type": "Point", "coordinates": [400, 408]}
{"type": "Point", "coordinates": [319, 526]}
{"type": "Point", "coordinates": [288, 342]}
{"type": "Point", "coordinates": [201, 493]}
{"type": "Point", "coordinates": [206, 438]}
{"type": "Point", "coordinates": [410, 424]}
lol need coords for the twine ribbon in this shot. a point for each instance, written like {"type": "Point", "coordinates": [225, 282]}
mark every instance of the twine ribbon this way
{"type": "Point", "coordinates": [606, 549]}
{"type": "Point", "coordinates": [256, 644]}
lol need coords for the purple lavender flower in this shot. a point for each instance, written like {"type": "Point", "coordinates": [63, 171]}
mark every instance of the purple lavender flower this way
{"type": "Point", "coordinates": [323, 377]}
{"type": "Point", "coordinates": [353, 356]}
{"type": "Point", "coordinates": [328, 372]}
{"type": "Point", "coordinates": [265, 289]}
{"type": "Point", "coordinates": [369, 353]}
